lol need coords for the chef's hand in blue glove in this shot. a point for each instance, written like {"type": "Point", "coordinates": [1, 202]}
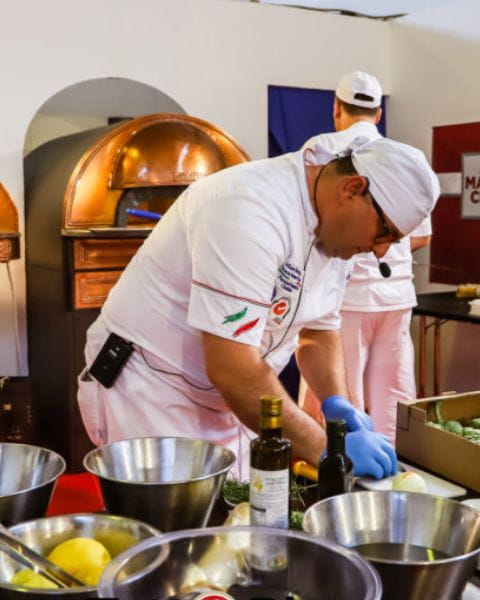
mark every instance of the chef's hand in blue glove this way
{"type": "Point", "coordinates": [371, 453]}
{"type": "Point", "coordinates": [338, 407]}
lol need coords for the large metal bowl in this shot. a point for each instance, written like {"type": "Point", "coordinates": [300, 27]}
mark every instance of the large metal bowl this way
{"type": "Point", "coordinates": [27, 477]}
{"type": "Point", "coordinates": [169, 482]}
{"type": "Point", "coordinates": [172, 565]}
{"type": "Point", "coordinates": [423, 528]}
{"type": "Point", "coordinates": [117, 534]}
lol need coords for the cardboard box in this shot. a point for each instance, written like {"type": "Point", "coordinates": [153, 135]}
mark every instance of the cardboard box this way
{"type": "Point", "coordinates": [447, 454]}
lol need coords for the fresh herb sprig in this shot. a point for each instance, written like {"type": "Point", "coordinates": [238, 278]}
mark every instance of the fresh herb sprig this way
{"type": "Point", "coordinates": [235, 492]}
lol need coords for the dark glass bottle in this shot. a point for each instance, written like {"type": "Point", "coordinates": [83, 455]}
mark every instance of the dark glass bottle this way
{"type": "Point", "coordinates": [335, 471]}
{"type": "Point", "coordinates": [270, 456]}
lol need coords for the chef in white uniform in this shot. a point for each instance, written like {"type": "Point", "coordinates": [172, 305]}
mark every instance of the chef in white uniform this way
{"type": "Point", "coordinates": [248, 264]}
{"type": "Point", "coordinates": [376, 310]}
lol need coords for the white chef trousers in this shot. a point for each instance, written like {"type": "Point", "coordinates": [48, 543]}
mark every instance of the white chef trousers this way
{"type": "Point", "coordinates": [379, 359]}
{"type": "Point", "coordinates": [144, 402]}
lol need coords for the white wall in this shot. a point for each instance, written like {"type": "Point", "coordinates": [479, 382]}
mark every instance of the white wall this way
{"type": "Point", "coordinates": [89, 104]}
{"type": "Point", "coordinates": [434, 81]}
{"type": "Point", "coordinates": [214, 57]}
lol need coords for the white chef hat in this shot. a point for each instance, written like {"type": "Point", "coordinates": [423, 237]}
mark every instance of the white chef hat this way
{"type": "Point", "coordinates": [360, 89]}
{"type": "Point", "coordinates": [401, 180]}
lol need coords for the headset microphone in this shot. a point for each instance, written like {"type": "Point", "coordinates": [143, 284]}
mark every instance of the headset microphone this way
{"type": "Point", "coordinates": [384, 268]}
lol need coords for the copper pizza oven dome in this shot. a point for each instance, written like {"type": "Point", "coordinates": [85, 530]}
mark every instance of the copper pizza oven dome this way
{"type": "Point", "coordinates": [167, 153]}
{"type": "Point", "coordinates": [161, 151]}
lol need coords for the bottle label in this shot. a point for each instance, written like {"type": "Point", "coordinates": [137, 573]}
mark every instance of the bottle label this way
{"type": "Point", "coordinates": [269, 497]}
{"type": "Point", "coordinates": [269, 501]}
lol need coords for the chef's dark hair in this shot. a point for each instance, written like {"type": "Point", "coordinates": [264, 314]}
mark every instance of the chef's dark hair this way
{"type": "Point", "coordinates": [344, 166]}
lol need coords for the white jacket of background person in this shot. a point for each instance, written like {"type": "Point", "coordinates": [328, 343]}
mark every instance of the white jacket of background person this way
{"type": "Point", "coordinates": [376, 314]}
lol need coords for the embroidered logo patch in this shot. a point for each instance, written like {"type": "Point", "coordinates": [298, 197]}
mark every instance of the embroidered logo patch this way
{"type": "Point", "coordinates": [280, 309]}
{"type": "Point", "coordinates": [290, 277]}
{"type": "Point", "coordinates": [235, 316]}
{"type": "Point", "coordinates": [246, 327]}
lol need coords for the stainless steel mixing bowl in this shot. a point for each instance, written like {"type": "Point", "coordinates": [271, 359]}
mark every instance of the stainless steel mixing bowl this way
{"type": "Point", "coordinates": [170, 482]}
{"type": "Point", "coordinates": [27, 477]}
{"type": "Point", "coordinates": [117, 534]}
{"type": "Point", "coordinates": [168, 566]}
{"type": "Point", "coordinates": [432, 542]}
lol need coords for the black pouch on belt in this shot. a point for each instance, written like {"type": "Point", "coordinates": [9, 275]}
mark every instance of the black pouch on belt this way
{"type": "Point", "coordinates": [110, 360]}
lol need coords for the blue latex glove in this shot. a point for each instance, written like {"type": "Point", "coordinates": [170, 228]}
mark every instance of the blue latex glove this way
{"type": "Point", "coordinates": [338, 407]}
{"type": "Point", "coordinates": [371, 453]}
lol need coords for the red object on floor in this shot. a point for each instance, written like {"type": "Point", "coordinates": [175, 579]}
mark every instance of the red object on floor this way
{"type": "Point", "coordinates": [74, 493]}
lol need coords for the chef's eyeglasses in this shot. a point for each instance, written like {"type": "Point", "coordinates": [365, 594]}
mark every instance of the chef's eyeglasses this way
{"type": "Point", "coordinates": [386, 234]}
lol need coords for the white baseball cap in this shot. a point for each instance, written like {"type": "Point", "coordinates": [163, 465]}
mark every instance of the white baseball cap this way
{"type": "Point", "coordinates": [360, 89]}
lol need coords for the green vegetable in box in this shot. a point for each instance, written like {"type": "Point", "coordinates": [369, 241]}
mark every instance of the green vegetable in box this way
{"type": "Point", "coordinates": [471, 433]}
{"type": "Point", "coordinates": [454, 427]}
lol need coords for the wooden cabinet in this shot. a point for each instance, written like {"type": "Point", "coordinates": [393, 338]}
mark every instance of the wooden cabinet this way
{"type": "Point", "coordinates": [92, 253]}
{"type": "Point", "coordinates": [92, 287]}
{"type": "Point", "coordinates": [97, 265]}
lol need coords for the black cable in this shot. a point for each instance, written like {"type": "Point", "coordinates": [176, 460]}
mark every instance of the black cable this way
{"type": "Point", "coordinates": [203, 389]}
{"type": "Point", "coordinates": [299, 298]}
{"type": "Point", "coordinates": [343, 11]}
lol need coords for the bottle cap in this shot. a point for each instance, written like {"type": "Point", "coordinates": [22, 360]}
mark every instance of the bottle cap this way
{"type": "Point", "coordinates": [336, 427]}
{"type": "Point", "coordinates": [271, 406]}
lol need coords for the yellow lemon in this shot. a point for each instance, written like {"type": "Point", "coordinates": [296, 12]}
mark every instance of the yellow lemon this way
{"type": "Point", "coordinates": [28, 578]}
{"type": "Point", "coordinates": [84, 558]}
{"type": "Point", "coordinates": [116, 541]}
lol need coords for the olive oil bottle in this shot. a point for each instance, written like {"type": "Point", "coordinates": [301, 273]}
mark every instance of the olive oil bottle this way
{"type": "Point", "coordinates": [335, 471]}
{"type": "Point", "coordinates": [270, 456]}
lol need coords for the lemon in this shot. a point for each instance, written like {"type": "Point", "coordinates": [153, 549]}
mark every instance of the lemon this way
{"type": "Point", "coordinates": [116, 541]}
{"type": "Point", "coordinates": [28, 578]}
{"type": "Point", "coordinates": [84, 558]}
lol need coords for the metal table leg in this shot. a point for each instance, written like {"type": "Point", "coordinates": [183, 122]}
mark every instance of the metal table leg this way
{"type": "Point", "coordinates": [436, 357]}
{"type": "Point", "coordinates": [423, 351]}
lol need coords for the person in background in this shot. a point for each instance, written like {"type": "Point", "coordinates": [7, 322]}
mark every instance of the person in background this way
{"type": "Point", "coordinates": [376, 309]}
{"type": "Point", "coordinates": [248, 264]}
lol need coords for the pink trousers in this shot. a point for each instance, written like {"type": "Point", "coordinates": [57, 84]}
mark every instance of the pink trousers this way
{"type": "Point", "coordinates": [379, 359]}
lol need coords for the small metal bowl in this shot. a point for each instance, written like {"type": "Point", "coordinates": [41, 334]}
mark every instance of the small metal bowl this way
{"type": "Point", "coordinates": [117, 534]}
{"type": "Point", "coordinates": [170, 482]}
{"type": "Point", "coordinates": [27, 476]}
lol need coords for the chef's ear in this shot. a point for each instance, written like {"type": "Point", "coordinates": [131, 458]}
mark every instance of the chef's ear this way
{"type": "Point", "coordinates": [355, 185]}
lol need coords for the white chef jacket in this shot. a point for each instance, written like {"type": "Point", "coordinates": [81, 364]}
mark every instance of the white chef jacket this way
{"type": "Point", "coordinates": [234, 256]}
{"type": "Point", "coordinates": [367, 290]}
